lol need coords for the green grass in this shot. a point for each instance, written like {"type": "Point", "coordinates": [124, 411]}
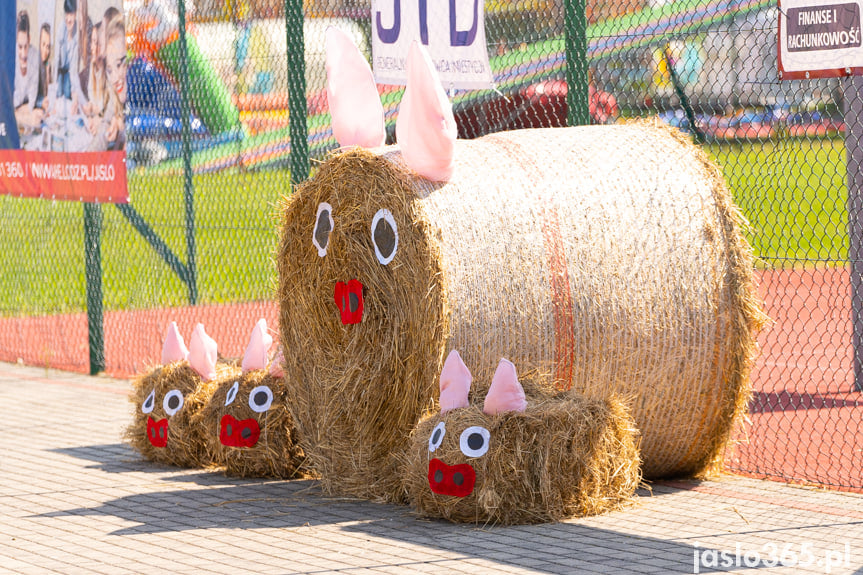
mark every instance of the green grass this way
{"type": "Point", "coordinates": [43, 246]}
{"type": "Point", "coordinates": [792, 191]}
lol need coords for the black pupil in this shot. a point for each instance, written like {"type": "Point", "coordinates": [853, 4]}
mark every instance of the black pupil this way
{"type": "Point", "coordinates": [231, 394]}
{"type": "Point", "coordinates": [438, 476]}
{"type": "Point", "coordinates": [457, 478]}
{"type": "Point", "coordinates": [173, 402]}
{"type": "Point", "coordinates": [260, 398]}
{"type": "Point", "coordinates": [436, 436]}
{"type": "Point", "coordinates": [385, 238]}
{"type": "Point", "coordinates": [475, 441]}
{"type": "Point", "coordinates": [322, 230]}
{"type": "Point", "coordinates": [149, 402]}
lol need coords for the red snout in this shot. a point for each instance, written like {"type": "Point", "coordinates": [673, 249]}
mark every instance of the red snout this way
{"type": "Point", "coordinates": [157, 432]}
{"type": "Point", "coordinates": [457, 480]}
{"type": "Point", "coordinates": [349, 299]}
{"type": "Point", "coordinates": [239, 433]}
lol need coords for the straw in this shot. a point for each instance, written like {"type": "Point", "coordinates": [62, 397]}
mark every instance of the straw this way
{"type": "Point", "coordinates": [564, 456]}
{"type": "Point", "coordinates": [610, 257]}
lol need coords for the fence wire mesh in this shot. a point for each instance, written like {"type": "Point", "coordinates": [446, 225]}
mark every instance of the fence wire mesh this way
{"type": "Point", "coordinates": [196, 242]}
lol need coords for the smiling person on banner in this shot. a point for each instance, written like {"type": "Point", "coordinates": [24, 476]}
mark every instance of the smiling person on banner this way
{"type": "Point", "coordinates": [109, 131]}
{"type": "Point", "coordinates": [68, 81]}
{"type": "Point", "coordinates": [43, 100]}
{"type": "Point", "coordinates": [26, 73]}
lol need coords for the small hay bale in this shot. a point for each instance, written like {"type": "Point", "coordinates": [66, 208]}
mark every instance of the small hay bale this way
{"type": "Point", "coordinates": [564, 456]}
{"type": "Point", "coordinates": [609, 256]}
{"type": "Point", "coordinates": [247, 437]}
{"type": "Point", "coordinates": [173, 439]}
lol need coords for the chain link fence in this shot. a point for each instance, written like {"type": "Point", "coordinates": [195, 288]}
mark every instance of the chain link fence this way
{"type": "Point", "coordinates": [196, 242]}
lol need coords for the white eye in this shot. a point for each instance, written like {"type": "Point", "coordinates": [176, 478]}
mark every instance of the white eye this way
{"type": "Point", "coordinates": [232, 394]}
{"type": "Point", "coordinates": [323, 226]}
{"type": "Point", "coordinates": [260, 399]}
{"type": "Point", "coordinates": [173, 401]}
{"type": "Point", "coordinates": [149, 403]}
{"type": "Point", "coordinates": [437, 436]}
{"type": "Point", "coordinates": [385, 236]}
{"type": "Point", "coordinates": [474, 441]}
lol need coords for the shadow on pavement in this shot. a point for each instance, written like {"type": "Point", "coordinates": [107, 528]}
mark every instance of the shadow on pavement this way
{"type": "Point", "coordinates": [121, 458]}
{"type": "Point", "coordinates": [299, 505]}
{"type": "Point", "coordinates": [785, 400]}
{"type": "Point", "coordinates": [113, 458]}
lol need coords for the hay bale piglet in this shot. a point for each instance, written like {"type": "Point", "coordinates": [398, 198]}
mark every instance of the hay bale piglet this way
{"type": "Point", "coordinates": [168, 398]}
{"type": "Point", "coordinates": [520, 459]}
{"type": "Point", "coordinates": [248, 426]}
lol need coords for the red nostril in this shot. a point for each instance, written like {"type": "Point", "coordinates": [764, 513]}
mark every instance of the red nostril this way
{"type": "Point", "coordinates": [349, 300]}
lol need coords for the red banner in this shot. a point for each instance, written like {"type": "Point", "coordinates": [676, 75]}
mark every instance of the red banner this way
{"type": "Point", "coordinates": [63, 94]}
{"type": "Point", "coordinates": [79, 176]}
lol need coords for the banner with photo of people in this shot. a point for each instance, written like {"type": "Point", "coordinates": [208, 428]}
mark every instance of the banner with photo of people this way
{"type": "Point", "coordinates": [62, 100]}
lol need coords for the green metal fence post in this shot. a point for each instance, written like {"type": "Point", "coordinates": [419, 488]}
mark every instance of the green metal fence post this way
{"type": "Point", "coordinates": [297, 91]}
{"type": "Point", "coordinates": [93, 276]}
{"type": "Point", "coordinates": [188, 185]}
{"type": "Point", "coordinates": [681, 95]}
{"type": "Point", "coordinates": [853, 90]}
{"type": "Point", "coordinates": [577, 94]}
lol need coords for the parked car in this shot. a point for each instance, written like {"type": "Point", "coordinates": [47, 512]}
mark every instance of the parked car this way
{"type": "Point", "coordinates": [538, 105]}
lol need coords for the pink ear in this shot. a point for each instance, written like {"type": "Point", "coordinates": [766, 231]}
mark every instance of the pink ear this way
{"type": "Point", "coordinates": [203, 352]}
{"type": "Point", "coordinates": [426, 129]}
{"type": "Point", "coordinates": [505, 393]}
{"type": "Point", "coordinates": [357, 113]}
{"type": "Point", "coordinates": [276, 369]}
{"type": "Point", "coordinates": [259, 345]}
{"type": "Point", "coordinates": [455, 381]}
{"type": "Point", "coordinates": [174, 348]}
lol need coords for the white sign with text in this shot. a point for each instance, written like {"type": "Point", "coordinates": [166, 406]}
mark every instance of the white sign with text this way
{"type": "Point", "coordinates": [819, 38]}
{"type": "Point", "coordinates": [453, 32]}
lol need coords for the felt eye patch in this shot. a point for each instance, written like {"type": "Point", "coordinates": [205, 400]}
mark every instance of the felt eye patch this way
{"type": "Point", "coordinates": [260, 399]}
{"type": "Point", "coordinates": [437, 436]}
{"type": "Point", "coordinates": [149, 403]}
{"type": "Point", "coordinates": [173, 402]}
{"type": "Point", "coordinates": [474, 441]}
{"type": "Point", "coordinates": [323, 226]}
{"type": "Point", "coordinates": [385, 236]}
{"type": "Point", "coordinates": [232, 394]}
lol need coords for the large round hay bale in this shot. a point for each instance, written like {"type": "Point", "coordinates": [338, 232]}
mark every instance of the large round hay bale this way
{"type": "Point", "coordinates": [248, 427]}
{"type": "Point", "coordinates": [610, 257]}
{"type": "Point", "coordinates": [564, 456]}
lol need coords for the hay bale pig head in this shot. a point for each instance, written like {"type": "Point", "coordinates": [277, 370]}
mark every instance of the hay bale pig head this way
{"type": "Point", "coordinates": [167, 399]}
{"type": "Point", "coordinates": [520, 459]}
{"type": "Point", "coordinates": [247, 423]}
{"type": "Point", "coordinates": [360, 317]}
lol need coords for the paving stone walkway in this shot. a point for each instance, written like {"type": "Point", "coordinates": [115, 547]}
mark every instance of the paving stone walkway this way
{"type": "Point", "coordinates": [75, 499]}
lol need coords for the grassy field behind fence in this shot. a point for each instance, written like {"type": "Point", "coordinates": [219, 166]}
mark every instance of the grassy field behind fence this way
{"type": "Point", "coordinates": [42, 243]}
{"type": "Point", "coordinates": [794, 194]}
{"type": "Point", "coordinates": [791, 190]}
